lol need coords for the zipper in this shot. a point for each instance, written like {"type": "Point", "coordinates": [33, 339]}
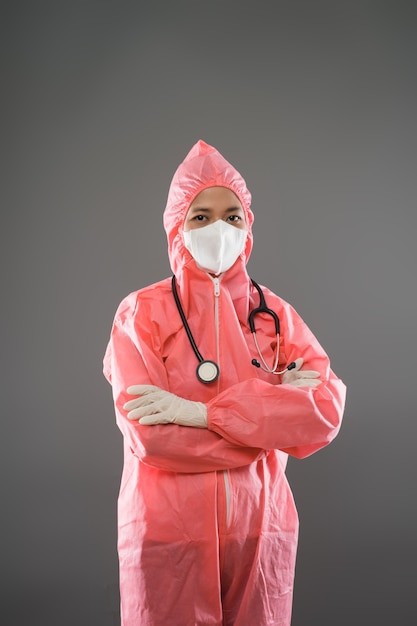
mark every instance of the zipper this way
{"type": "Point", "coordinates": [216, 284]}
{"type": "Point", "coordinates": [216, 288]}
{"type": "Point", "coordinates": [226, 479]}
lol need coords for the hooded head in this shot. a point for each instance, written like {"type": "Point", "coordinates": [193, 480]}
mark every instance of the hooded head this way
{"type": "Point", "coordinates": [203, 167]}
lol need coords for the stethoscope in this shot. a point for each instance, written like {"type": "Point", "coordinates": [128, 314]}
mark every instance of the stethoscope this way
{"type": "Point", "coordinates": [208, 371]}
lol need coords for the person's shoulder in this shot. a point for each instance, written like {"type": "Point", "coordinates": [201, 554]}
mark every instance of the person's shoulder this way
{"type": "Point", "coordinates": [271, 296]}
{"type": "Point", "coordinates": [155, 290]}
{"type": "Point", "coordinates": [142, 297]}
{"type": "Point", "coordinates": [280, 305]}
{"type": "Point", "coordinates": [291, 320]}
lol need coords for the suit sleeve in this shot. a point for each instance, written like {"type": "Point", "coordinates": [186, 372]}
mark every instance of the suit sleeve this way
{"type": "Point", "coordinates": [296, 420]}
{"type": "Point", "coordinates": [130, 359]}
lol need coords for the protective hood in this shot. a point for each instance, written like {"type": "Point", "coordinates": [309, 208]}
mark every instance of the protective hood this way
{"type": "Point", "coordinates": [203, 167]}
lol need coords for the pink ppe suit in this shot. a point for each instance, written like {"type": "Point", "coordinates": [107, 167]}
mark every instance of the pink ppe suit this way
{"type": "Point", "coordinates": [207, 523]}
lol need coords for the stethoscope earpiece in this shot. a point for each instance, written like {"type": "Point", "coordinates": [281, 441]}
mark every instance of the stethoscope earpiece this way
{"type": "Point", "coordinates": [289, 367]}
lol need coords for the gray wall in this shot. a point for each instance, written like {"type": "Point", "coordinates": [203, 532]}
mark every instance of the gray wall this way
{"type": "Point", "coordinates": [315, 103]}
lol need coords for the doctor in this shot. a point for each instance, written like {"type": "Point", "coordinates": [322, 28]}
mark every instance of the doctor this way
{"type": "Point", "coordinates": [207, 523]}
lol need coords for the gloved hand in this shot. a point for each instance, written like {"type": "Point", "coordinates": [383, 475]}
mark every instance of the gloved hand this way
{"type": "Point", "coordinates": [301, 378]}
{"type": "Point", "coordinates": [156, 406]}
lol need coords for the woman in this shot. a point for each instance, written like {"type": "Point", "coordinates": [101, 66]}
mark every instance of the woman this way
{"type": "Point", "coordinates": [207, 523]}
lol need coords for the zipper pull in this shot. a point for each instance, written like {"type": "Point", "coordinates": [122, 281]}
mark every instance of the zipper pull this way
{"type": "Point", "coordinates": [216, 286]}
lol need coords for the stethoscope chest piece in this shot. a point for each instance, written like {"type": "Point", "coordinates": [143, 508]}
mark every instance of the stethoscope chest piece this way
{"type": "Point", "coordinates": [207, 371]}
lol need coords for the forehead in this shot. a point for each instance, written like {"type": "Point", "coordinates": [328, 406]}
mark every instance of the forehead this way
{"type": "Point", "coordinates": [216, 197]}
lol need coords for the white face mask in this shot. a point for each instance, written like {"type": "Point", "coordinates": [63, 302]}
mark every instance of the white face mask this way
{"type": "Point", "coordinates": [216, 247]}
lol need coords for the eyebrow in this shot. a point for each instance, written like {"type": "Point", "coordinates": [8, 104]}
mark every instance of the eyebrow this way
{"type": "Point", "coordinates": [231, 209]}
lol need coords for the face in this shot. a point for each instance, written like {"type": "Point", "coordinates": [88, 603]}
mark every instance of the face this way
{"type": "Point", "coordinates": [212, 204]}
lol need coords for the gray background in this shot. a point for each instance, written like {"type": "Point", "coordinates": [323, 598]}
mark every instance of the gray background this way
{"type": "Point", "coordinates": [315, 104]}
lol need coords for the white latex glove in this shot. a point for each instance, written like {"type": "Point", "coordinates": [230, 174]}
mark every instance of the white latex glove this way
{"type": "Point", "coordinates": [156, 406]}
{"type": "Point", "coordinates": [301, 378]}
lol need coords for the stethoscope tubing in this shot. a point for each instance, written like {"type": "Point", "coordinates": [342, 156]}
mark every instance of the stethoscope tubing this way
{"type": "Point", "coordinates": [208, 371]}
{"type": "Point", "coordinates": [184, 320]}
{"type": "Point", "coordinates": [262, 308]}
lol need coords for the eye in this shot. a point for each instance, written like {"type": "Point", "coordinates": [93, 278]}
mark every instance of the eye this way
{"type": "Point", "coordinates": [235, 219]}
{"type": "Point", "coordinates": [199, 218]}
